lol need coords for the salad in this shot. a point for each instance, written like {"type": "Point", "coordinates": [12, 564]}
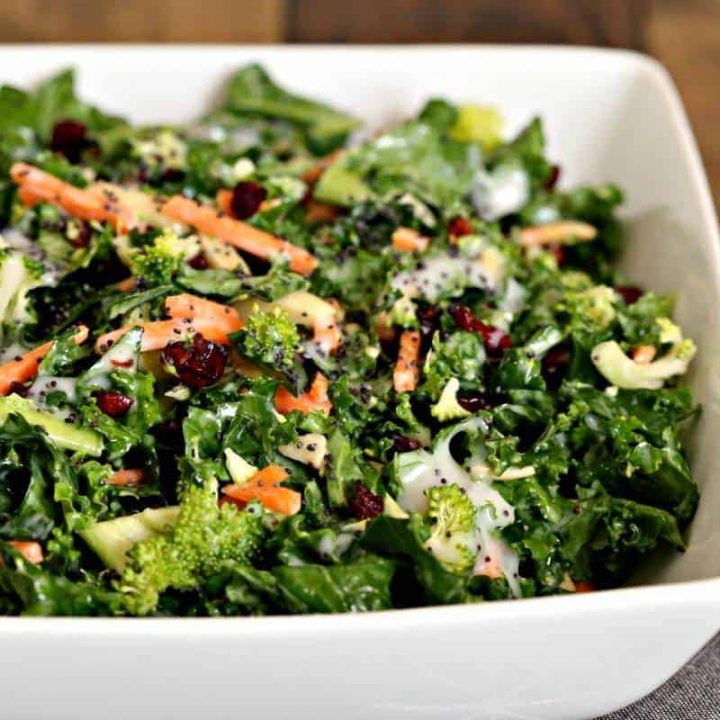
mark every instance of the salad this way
{"type": "Point", "coordinates": [269, 362]}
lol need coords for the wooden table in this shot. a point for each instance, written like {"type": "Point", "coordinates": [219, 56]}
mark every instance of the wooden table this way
{"type": "Point", "coordinates": [683, 34]}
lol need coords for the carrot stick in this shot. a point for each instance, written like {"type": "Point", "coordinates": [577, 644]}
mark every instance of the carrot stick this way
{"type": "Point", "coordinates": [126, 478]}
{"type": "Point", "coordinates": [192, 306]}
{"type": "Point", "coordinates": [32, 551]}
{"type": "Point", "coordinates": [235, 232]}
{"type": "Point", "coordinates": [316, 398]}
{"type": "Point", "coordinates": [407, 371]}
{"type": "Point", "coordinates": [38, 186]}
{"type": "Point", "coordinates": [224, 201]}
{"type": "Point", "coordinates": [25, 367]}
{"type": "Point", "coordinates": [127, 285]}
{"type": "Point", "coordinates": [264, 487]}
{"type": "Point", "coordinates": [563, 233]}
{"type": "Point", "coordinates": [408, 240]}
{"type": "Point", "coordinates": [160, 333]}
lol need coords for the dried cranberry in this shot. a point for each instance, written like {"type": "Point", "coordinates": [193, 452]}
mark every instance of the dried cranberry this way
{"type": "Point", "coordinates": [552, 178]}
{"type": "Point", "coordinates": [460, 226]}
{"type": "Point", "coordinates": [629, 293]}
{"type": "Point", "coordinates": [69, 138]}
{"type": "Point", "coordinates": [556, 357]}
{"type": "Point", "coordinates": [560, 255]}
{"type": "Point", "coordinates": [199, 363]}
{"type": "Point", "coordinates": [494, 339]}
{"type": "Point", "coordinates": [83, 237]}
{"type": "Point", "coordinates": [365, 503]}
{"type": "Point", "coordinates": [474, 401]}
{"type": "Point", "coordinates": [403, 443]}
{"type": "Point", "coordinates": [113, 403]}
{"type": "Point", "coordinates": [463, 317]}
{"type": "Point", "coordinates": [246, 199]}
{"type": "Point", "coordinates": [198, 262]}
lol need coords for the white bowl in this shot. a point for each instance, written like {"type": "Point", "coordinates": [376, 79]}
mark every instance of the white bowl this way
{"type": "Point", "coordinates": [609, 115]}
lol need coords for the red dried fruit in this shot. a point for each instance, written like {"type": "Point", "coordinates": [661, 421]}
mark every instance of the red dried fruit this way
{"type": "Point", "coordinates": [113, 403]}
{"type": "Point", "coordinates": [403, 443]}
{"type": "Point", "coordinates": [552, 179]}
{"type": "Point", "coordinates": [199, 363]}
{"type": "Point", "coordinates": [198, 262]}
{"type": "Point", "coordinates": [246, 199]}
{"type": "Point", "coordinates": [557, 357]}
{"type": "Point", "coordinates": [560, 256]}
{"type": "Point", "coordinates": [364, 503]}
{"type": "Point", "coordinates": [460, 226]}
{"type": "Point", "coordinates": [83, 237]}
{"type": "Point", "coordinates": [69, 138]}
{"type": "Point", "coordinates": [474, 401]}
{"type": "Point", "coordinates": [629, 293]}
{"type": "Point", "coordinates": [463, 317]}
{"type": "Point", "coordinates": [494, 339]}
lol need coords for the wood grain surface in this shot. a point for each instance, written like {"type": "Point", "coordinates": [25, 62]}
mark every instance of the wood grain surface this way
{"type": "Point", "coordinates": [683, 34]}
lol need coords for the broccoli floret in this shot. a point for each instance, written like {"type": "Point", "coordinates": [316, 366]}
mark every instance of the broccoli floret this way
{"type": "Point", "coordinates": [453, 537]}
{"type": "Point", "coordinates": [461, 356]}
{"type": "Point", "coordinates": [270, 339]}
{"type": "Point", "coordinates": [158, 263]}
{"type": "Point", "coordinates": [447, 407]}
{"type": "Point", "coordinates": [164, 150]}
{"type": "Point", "coordinates": [205, 536]}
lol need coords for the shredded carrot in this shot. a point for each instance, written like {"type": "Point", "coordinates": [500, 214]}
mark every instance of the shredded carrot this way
{"type": "Point", "coordinates": [224, 201]}
{"type": "Point", "coordinates": [32, 551]}
{"type": "Point", "coordinates": [126, 478]}
{"type": "Point", "coordinates": [25, 367]}
{"type": "Point", "coordinates": [644, 354]}
{"type": "Point", "coordinates": [192, 306]}
{"type": "Point", "coordinates": [385, 329]}
{"type": "Point", "coordinates": [316, 398]}
{"type": "Point", "coordinates": [237, 233]}
{"type": "Point", "coordinates": [408, 240]}
{"type": "Point", "coordinates": [407, 370]}
{"type": "Point", "coordinates": [584, 587]}
{"type": "Point", "coordinates": [38, 186]}
{"type": "Point", "coordinates": [127, 285]}
{"type": "Point", "coordinates": [563, 232]}
{"type": "Point", "coordinates": [264, 487]}
{"type": "Point", "coordinates": [491, 568]}
{"type": "Point", "coordinates": [319, 212]}
{"type": "Point", "coordinates": [160, 333]}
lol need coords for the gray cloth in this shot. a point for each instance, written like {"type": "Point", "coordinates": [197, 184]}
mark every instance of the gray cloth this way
{"type": "Point", "coordinates": [693, 694]}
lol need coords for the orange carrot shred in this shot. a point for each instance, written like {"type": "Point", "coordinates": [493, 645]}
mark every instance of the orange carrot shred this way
{"type": "Point", "coordinates": [192, 306]}
{"type": "Point", "coordinates": [32, 551]}
{"type": "Point", "coordinates": [235, 232]}
{"type": "Point", "coordinates": [25, 367]}
{"type": "Point", "coordinates": [407, 370]}
{"type": "Point", "coordinates": [316, 398]}
{"type": "Point", "coordinates": [408, 240]}
{"type": "Point", "coordinates": [126, 478]}
{"type": "Point", "coordinates": [37, 186]}
{"type": "Point", "coordinates": [264, 487]}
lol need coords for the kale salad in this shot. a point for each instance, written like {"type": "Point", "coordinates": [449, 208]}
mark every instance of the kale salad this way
{"type": "Point", "coordinates": [274, 362]}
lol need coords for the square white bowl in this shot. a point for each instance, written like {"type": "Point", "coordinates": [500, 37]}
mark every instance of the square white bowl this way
{"type": "Point", "coordinates": [610, 115]}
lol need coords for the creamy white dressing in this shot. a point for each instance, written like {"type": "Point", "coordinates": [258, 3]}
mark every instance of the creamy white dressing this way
{"type": "Point", "coordinates": [46, 384]}
{"type": "Point", "coordinates": [11, 352]}
{"type": "Point", "coordinates": [503, 191]}
{"type": "Point", "coordinates": [334, 545]}
{"type": "Point", "coordinates": [494, 512]}
{"type": "Point", "coordinates": [433, 276]}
